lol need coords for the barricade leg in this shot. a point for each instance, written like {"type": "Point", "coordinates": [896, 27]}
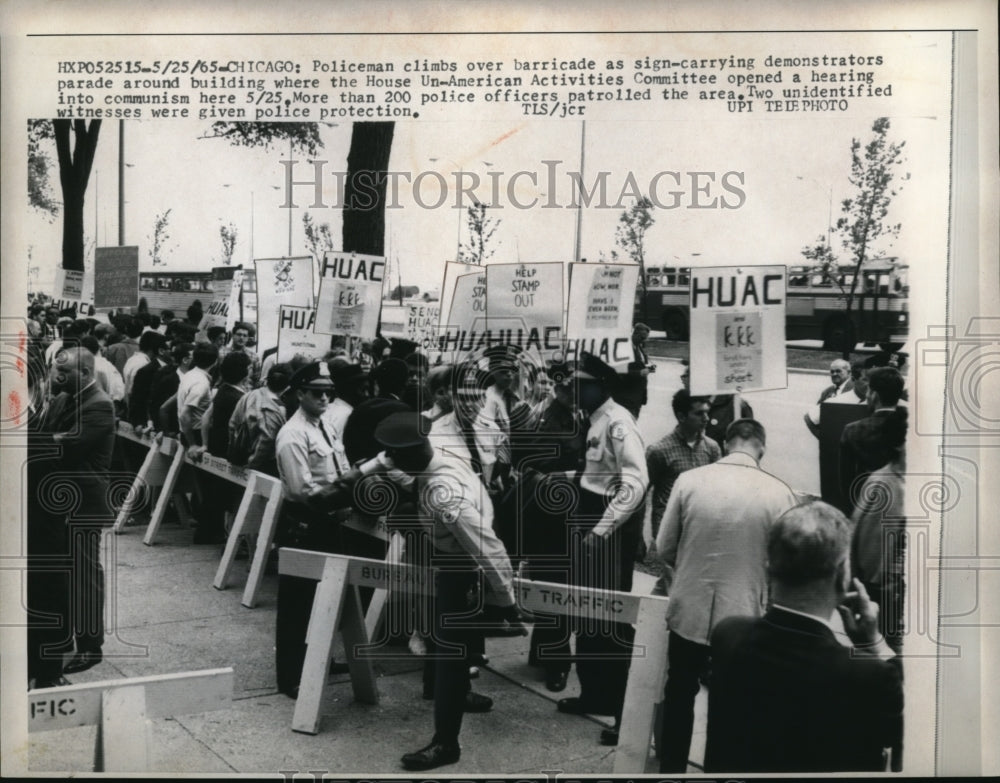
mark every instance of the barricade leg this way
{"type": "Point", "coordinates": [122, 731]}
{"type": "Point", "coordinates": [649, 660]}
{"type": "Point", "coordinates": [169, 482]}
{"type": "Point", "coordinates": [265, 537]}
{"type": "Point", "coordinates": [225, 568]}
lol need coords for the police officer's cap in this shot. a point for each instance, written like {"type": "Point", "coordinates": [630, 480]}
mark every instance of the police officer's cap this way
{"type": "Point", "coordinates": [401, 430]}
{"type": "Point", "coordinates": [590, 368]}
{"type": "Point", "coordinates": [315, 375]}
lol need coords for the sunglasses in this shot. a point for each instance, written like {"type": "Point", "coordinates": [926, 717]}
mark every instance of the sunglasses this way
{"type": "Point", "coordinates": [317, 393]}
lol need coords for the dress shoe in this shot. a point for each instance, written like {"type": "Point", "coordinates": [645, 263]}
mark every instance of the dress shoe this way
{"type": "Point", "coordinates": [609, 736]}
{"type": "Point", "coordinates": [556, 681]}
{"type": "Point", "coordinates": [574, 705]}
{"type": "Point", "coordinates": [58, 682]}
{"type": "Point", "coordinates": [339, 668]}
{"type": "Point", "coordinates": [434, 755]}
{"type": "Point", "coordinates": [83, 661]}
{"type": "Point", "coordinates": [476, 702]}
{"type": "Point", "coordinates": [291, 693]}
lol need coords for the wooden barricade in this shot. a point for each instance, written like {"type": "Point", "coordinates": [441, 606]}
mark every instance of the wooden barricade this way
{"type": "Point", "coordinates": [121, 710]}
{"type": "Point", "coordinates": [337, 606]}
{"type": "Point", "coordinates": [258, 513]}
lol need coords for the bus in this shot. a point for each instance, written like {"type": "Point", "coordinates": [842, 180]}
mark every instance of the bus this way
{"type": "Point", "coordinates": [816, 307]}
{"type": "Point", "coordinates": [177, 291]}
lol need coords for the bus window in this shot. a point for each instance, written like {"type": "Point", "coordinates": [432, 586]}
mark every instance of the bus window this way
{"type": "Point", "coordinates": [820, 281]}
{"type": "Point", "coordinates": [670, 278]}
{"type": "Point", "coordinates": [207, 285]}
{"type": "Point", "coordinates": [163, 284]}
{"type": "Point", "coordinates": [249, 283]}
{"type": "Point", "coordinates": [147, 283]}
{"type": "Point", "coordinates": [192, 284]}
{"type": "Point", "coordinates": [684, 278]}
{"type": "Point", "coordinates": [798, 278]}
{"type": "Point", "coordinates": [654, 281]}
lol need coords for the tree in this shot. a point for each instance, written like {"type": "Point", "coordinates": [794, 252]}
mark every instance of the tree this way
{"type": "Point", "coordinates": [630, 236]}
{"type": "Point", "coordinates": [303, 136]}
{"type": "Point", "coordinates": [481, 230]}
{"type": "Point", "coordinates": [318, 237]}
{"type": "Point", "coordinates": [75, 163]}
{"type": "Point", "coordinates": [864, 219]}
{"type": "Point", "coordinates": [40, 137]}
{"type": "Point", "coordinates": [228, 236]}
{"type": "Point", "coordinates": [159, 239]}
{"type": "Point", "coordinates": [363, 229]}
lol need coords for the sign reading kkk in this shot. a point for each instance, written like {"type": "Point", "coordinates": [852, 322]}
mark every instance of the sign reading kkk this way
{"type": "Point", "coordinates": [737, 329]}
{"type": "Point", "coordinates": [350, 294]}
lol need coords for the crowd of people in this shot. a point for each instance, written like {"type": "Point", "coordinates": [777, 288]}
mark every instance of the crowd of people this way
{"type": "Point", "coordinates": [463, 459]}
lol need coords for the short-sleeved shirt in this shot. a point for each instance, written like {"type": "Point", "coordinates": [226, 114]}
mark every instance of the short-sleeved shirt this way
{"type": "Point", "coordinates": [307, 460]}
{"type": "Point", "coordinates": [194, 391]}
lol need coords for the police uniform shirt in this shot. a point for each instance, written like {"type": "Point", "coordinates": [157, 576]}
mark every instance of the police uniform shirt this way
{"type": "Point", "coordinates": [454, 501]}
{"type": "Point", "coordinates": [307, 460]}
{"type": "Point", "coordinates": [615, 453]}
{"type": "Point", "coordinates": [335, 417]}
{"type": "Point", "coordinates": [447, 435]}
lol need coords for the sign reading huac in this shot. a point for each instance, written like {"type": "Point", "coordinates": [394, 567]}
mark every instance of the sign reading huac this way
{"type": "Point", "coordinates": [280, 281]}
{"type": "Point", "coordinates": [350, 294]}
{"type": "Point", "coordinates": [227, 281]}
{"type": "Point", "coordinates": [116, 277]}
{"type": "Point", "coordinates": [601, 304]}
{"type": "Point", "coordinates": [296, 335]}
{"type": "Point", "coordinates": [74, 288]}
{"type": "Point", "coordinates": [506, 304]}
{"type": "Point", "coordinates": [737, 329]}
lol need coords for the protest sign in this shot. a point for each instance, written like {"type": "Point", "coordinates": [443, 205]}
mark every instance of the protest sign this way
{"type": "Point", "coordinates": [226, 284]}
{"type": "Point", "coordinates": [452, 271]}
{"type": "Point", "coordinates": [74, 289]}
{"type": "Point", "coordinates": [296, 335]}
{"type": "Point", "coordinates": [737, 329]}
{"type": "Point", "coordinates": [116, 277]}
{"type": "Point", "coordinates": [601, 299]}
{"type": "Point", "coordinates": [280, 281]}
{"type": "Point", "coordinates": [350, 294]}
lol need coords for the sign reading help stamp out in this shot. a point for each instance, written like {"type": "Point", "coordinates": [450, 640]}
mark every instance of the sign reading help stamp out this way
{"type": "Point", "coordinates": [737, 329]}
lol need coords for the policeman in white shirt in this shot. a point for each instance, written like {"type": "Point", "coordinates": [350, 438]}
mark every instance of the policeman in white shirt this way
{"type": "Point", "coordinates": [310, 462]}
{"type": "Point", "coordinates": [604, 535]}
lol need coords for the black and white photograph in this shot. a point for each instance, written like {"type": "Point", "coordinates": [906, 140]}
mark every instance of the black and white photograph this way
{"type": "Point", "coordinates": [430, 389]}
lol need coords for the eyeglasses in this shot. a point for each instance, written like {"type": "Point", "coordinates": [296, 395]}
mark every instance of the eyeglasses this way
{"type": "Point", "coordinates": [317, 393]}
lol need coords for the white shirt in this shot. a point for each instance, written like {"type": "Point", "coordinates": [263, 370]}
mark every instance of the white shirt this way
{"type": "Point", "coordinates": [195, 392]}
{"type": "Point", "coordinates": [335, 416]}
{"type": "Point", "coordinates": [110, 379]}
{"type": "Point", "coordinates": [133, 364]}
{"type": "Point", "coordinates": [615, 458]}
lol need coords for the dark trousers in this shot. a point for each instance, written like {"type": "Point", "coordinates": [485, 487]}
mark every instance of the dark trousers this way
{"type": "Point", "coordinates": [686, 661]}
{"type": "Point", "coordinates": [49, 632]}
{"type": "Point", "coordinates": [603, 648]}
{"type": "Point", "coordinates": [453, 645]}
{"type": "Point", "coordinates": [302, 530]}
{"type": "Point", "coordinates": [87, 587]}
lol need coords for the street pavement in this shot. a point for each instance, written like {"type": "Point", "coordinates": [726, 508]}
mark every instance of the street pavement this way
{"type": "Point", "coordinates": [165, 617]}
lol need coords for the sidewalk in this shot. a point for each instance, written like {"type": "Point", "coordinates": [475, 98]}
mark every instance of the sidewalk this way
{"type": "Point", "coordinates": [166, 617]}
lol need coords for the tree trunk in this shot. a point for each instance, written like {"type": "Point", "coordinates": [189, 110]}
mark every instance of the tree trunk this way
{"type": "Point", "coordinates": [364, 211]}
{"type": "Point", "coordinates": [74, 174]}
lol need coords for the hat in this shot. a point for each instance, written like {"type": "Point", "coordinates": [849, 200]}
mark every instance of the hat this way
{"type": "Point", "coordinates": [502, 357]}
{"type": "Point", "coordinates": [400, 430]}
{"type": "Point", "coordinates": [391, 374]}
{"type": "Point", "coordinates": [400, 347]}
{"type": "Point", "coordinates": [590, 368]}
{"type": "Point", "coordinates": [315, 375]}
{"type": "Point", "coordinates": [346, 374]}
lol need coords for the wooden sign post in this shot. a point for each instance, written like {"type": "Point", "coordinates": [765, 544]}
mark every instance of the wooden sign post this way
{"type": "Point", "coordinates": [122, 709]}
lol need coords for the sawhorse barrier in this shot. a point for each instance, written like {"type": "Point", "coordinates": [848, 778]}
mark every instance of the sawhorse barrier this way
{"type": "Point", "coordinates": [337, 606]}
{"type": "Point", "coordinates": [121, 708]}
{"type": "Point", "coordinates": [258, 511]}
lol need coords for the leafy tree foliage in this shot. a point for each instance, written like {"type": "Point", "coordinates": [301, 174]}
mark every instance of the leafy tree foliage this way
{"type": "Point", "coordinates": [630, 236]}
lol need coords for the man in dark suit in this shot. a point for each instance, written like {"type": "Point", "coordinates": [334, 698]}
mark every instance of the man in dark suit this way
{"type": "Point", "coordinates": [786, 695]}
{"type": "Point", "coordinates": [81, 420]}
{"type": "Point", "coordinates": [863, 445]}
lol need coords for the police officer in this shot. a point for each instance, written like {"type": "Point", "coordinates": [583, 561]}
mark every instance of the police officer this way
{"type": "Point", "coordinates": [455, 502]}
{"type": "Point", "coordinates": [604, 533]}
{"type": "Point", "coordinates": [313, 467]}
